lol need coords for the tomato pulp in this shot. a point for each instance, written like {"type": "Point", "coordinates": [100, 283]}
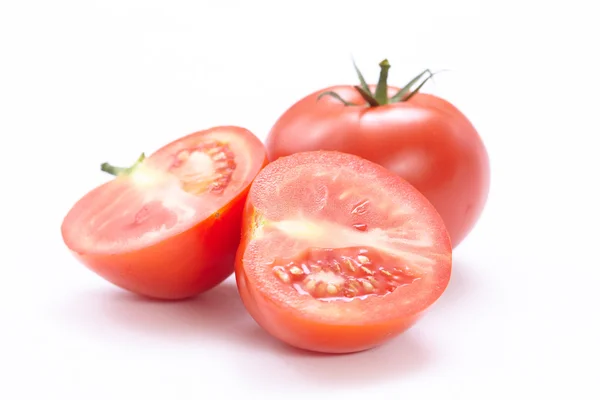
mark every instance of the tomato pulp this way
{"type": "Point", "coordinates": [420, 137]}
{"type": "Point", "coordinates": [338, 254]}
{"type": "Point", "coordinates": [169, 227]}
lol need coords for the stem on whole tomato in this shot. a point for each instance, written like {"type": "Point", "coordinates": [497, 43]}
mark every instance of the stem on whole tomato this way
{"type": "Point", "coordinates": [116, 171]}
{"type": "Point", "coordinates": [367, 96]}
{"type": "Point", "coordinates": [335, 96]}
{"type": "Point", "coordinates": [380, 97]}
{"type": "Point", "coordinates": [405, 93]}
{"type": "Point", "coordinates": [361, 78]}
{"type": "Point", "coordinates": [382, 87]}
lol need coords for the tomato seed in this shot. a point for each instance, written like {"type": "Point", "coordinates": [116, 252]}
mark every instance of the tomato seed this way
{"type": "Point", "coordinates": [386, 273]}
{"type": "Point", "coordinates": [331, 289]}
{"type": "Point", "coordinates": [350, 265]}
{"type": "Point", "coordinates": [363, 259]}
{"type": "Point", "coordinates": [366, 270]}
{"type": "Point", "coordinates": [283, 276]}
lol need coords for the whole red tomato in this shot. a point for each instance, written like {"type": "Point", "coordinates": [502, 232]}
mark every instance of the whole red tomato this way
{"type": "Point", "coordinates": [421, 137]}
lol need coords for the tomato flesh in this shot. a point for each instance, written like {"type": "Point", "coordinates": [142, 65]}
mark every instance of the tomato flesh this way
{"type": "Point", "coordinates": [170, 229]}
{"type": "Point", "coordinates": [339, 254]}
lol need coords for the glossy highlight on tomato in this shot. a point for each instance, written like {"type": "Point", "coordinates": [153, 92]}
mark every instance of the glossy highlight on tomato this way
{"type": "Point", "coordinates": [420, 137]}
{"type": "Point", "coordinates": [339, 254]}
{"type": "Point", "coordinates": [169, 227]}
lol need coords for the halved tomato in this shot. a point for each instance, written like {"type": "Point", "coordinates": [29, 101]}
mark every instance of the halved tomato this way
{"type": "Point", "coordinates": [339, 254]}
{"type": "Point", "coordinates": [169, 227]}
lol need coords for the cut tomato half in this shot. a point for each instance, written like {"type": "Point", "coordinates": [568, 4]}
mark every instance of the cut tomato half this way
{"type": "Point", "coordinates": [338, 254]}
{"type": "Point", "coordinates": [169, 228]}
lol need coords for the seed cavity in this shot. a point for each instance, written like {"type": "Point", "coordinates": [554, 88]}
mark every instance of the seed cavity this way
{"type": "Point", "coordinates": [328, 276]}
{"type": "Point", "coordinates": [198, 177]}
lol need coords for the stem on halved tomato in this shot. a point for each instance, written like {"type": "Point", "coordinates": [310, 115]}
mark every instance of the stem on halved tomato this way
{"type": "Point", "coordinates": [111, 169]}
{"type": "Point", "coordinates": [380, 97]}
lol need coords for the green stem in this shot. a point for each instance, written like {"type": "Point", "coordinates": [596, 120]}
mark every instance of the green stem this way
{"type": "Point", "coordinates": [411, 94]}
{"type": "Point", "coordinates": [402, 94]}
{"type": "Point", "coordinates": [335, 96]}
{"type": "Point", "coordinates": [367, 96]}
{"type": "Point", "coordinates": [381, 92]}
{"type": "Point", "coordinates": [361, 79]}
{"type": "Point", "coordinates": [380, 97]}
{"type": "Point", "coordinates": [116, 171]}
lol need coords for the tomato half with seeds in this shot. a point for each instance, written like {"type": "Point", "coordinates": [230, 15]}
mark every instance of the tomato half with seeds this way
{"type": "Point", "coordinates": [169, 226]}
{"type": "Point", "coordinates": [338, 254]}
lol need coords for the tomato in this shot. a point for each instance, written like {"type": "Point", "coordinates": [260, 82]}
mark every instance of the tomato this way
{"type": "Point", "coordinates": [420, 137]}
{"type": "Point", "coordinates": [169, 227]}
{"type": "Point", "coordinates": [338, 254]}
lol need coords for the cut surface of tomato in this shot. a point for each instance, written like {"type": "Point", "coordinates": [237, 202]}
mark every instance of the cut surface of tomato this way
{"type": "Point", "coordinates": [170, 227]}
{"type": "Point", "coordinates": [338, 254]}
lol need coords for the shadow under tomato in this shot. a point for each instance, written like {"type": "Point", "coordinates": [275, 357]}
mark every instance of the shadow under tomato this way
{"type": "Point", "coordinates": [215, 315]}
{"type": "Point", "coordinates": [394, 360]}
{"type": "Point", "coordinates": [219, 317]}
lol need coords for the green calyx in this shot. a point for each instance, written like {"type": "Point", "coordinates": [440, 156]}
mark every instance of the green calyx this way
{"type": "Point", "coordinates": [380, 97]}
{"type": "Point", "coordinates": [117, 171]}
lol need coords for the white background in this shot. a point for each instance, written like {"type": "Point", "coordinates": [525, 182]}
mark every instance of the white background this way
{"type": "Point", "coordinates": [82, 82]}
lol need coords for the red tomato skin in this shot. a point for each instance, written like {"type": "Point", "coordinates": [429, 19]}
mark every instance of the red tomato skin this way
{"type": "Point", "coordinates": [180, 266]}
{"type": "Point", "coordinates": [425, 140]}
